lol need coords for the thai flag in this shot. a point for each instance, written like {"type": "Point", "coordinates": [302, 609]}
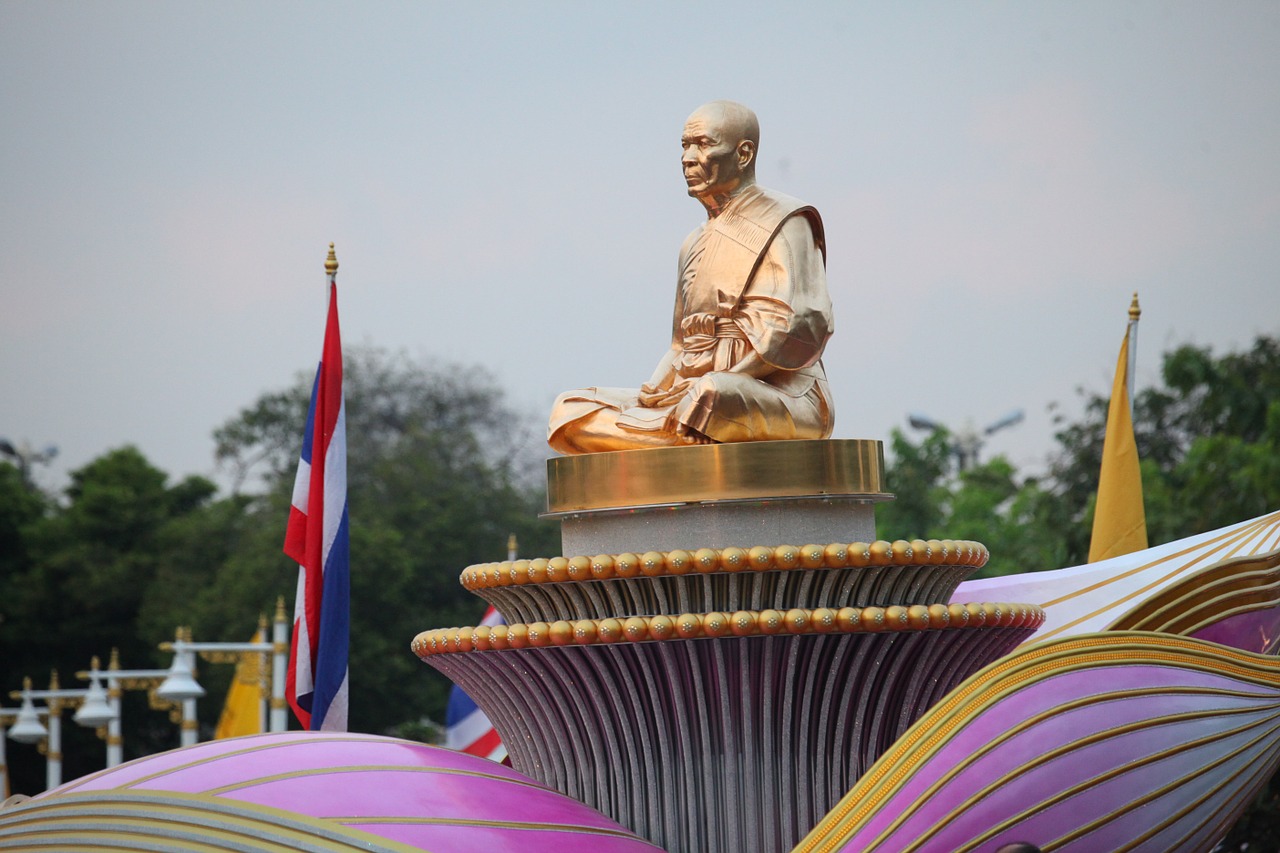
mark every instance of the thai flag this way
{"type": "Point", "coordinates": [467, 729]}
{"type": "Point", "coordinates": [317, 537]}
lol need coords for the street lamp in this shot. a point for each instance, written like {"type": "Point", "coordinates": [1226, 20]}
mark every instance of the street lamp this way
{"type": "Point", "coordinates": [181, 685]}
{"type": "Point", "coordinates": [28, 728]}
{"type": "Point", "coordinates": [6, 715]}
{"type": "Point", "coordinates": [966, 442]}
{"type": "Point", "coordinates": [24, 456]}
{"type": "Point", "coordinates": [95, 712]}
{"type": "Point", "coordinates": [118, 680]}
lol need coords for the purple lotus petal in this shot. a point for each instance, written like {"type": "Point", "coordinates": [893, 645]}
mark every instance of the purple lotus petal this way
{"type": "Point", "coordinates": [468, 839]}
{"type": "Point", "coordinates": [432, 798]}
{"type": "Point", "coordinates": [1256, 631]}
{"type": "Point", "coordinates": [1085, 744]}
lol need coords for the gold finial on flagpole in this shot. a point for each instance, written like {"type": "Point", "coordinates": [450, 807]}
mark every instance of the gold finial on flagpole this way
{"type": "Point", "coordinates": [331, 262]}
{"type": "Point", "coordinates": [1134, 311]}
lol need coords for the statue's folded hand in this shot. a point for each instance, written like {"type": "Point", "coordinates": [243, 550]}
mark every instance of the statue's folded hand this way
{"type": "Point", "coordinates": [654, 397]}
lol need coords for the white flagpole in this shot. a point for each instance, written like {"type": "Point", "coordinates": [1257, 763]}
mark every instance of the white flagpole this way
{"type": "Point", "coordinates": [1131, 368]}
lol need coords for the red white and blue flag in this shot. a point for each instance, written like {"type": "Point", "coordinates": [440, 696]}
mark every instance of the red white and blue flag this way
{"type": "Point", "coordinates": [317, 538]}
{"type": "Point", "coordinates": [467, 729]}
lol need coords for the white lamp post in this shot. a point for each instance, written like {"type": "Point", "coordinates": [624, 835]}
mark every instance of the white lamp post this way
{"type": "Point", "coordinates": [28, 729]}
{"type": "Point", "coordinates": [7, 715]}
{"type": "Point", "coordinates": [181, 685]}
{"type": "Point", "coordinates": [94, 712]}
{"type": "Point", "coordinates": [118, 680]}
{"type": "Point", "coordinates": [279, 660]}
{"type": "Point", "coordinates": [102, 707]}
{"type": "Point", "coordinates": [966, 442]}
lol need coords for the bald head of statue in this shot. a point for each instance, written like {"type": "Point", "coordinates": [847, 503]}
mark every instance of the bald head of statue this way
{"type": "Point", "coordinates": [719, 146]}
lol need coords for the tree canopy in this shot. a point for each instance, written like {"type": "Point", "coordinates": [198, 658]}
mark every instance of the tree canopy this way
{"type": "Point", "coordinates": [441, 470]}
{"type": "Point", "coordinates": [1208, 437]}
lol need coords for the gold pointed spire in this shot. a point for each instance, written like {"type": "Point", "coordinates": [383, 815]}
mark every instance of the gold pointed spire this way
{"type": "Point", "coordinates": [1134, 311]}
{"type": "Point", "coordinates": [331, 262]}
{"type": "Point", "coordinates": [280, 614]}
{"type": "Point", "coordinates": [115, 659]}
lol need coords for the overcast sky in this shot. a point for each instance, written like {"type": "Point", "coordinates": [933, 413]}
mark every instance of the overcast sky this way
{"type": "Point", "coordinates": [502, 182]}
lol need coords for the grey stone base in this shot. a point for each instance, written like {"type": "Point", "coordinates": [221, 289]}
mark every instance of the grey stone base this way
{"type": "Point", "coordinates": [721, 524]}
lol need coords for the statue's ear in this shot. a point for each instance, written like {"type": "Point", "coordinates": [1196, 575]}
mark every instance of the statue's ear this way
{"type": "Point", "coordinates": [746, 153]}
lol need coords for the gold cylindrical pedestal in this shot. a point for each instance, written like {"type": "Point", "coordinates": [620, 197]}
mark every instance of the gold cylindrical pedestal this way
{"type": "Point", "coordinates": [745, 471]}
{"type": "Point", "coordinates": [717, 495]}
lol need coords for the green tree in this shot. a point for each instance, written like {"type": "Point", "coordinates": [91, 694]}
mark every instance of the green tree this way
{"type": "Point", "coordinates": [440, 470]}
{"type": "Point", "coordinates": [21, 508]}
{"type": "Point", "coordinates": [77, 576]}
{"type": "Point", "coordinates": [91, 563]}
{"type": "Point", "coordinates": [917, 477]}
{"type": "Point", "coordinates": [1018, 519]}
{"type": "Point", "coordinates": [1207, 437]}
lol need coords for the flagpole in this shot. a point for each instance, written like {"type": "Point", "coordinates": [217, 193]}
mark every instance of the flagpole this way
{"type": "Point", "coordinates": [1119, 518]}
{"type": "Point", "coordinates": [316, 538]}
{"type": "Point", "coordinates": [1131, 368]}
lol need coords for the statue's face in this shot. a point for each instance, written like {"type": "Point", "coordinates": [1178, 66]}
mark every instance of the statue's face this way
{"type": "Point", "coordinates": [713, 160]}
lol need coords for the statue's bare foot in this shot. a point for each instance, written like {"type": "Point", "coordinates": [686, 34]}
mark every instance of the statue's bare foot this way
{"type": "Point", "coordinates": [687, 435]}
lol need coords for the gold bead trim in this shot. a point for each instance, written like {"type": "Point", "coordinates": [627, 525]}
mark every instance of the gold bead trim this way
{"type": "Point", "coordinates": [744, 623]}
{"type": "Point", "coordinates": [761, 558]}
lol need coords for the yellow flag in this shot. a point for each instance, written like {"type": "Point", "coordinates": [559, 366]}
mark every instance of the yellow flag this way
{"type": "Point", "coordinates": [241, 714]}
{"type": "Point", "coordinates": [1119, 522]}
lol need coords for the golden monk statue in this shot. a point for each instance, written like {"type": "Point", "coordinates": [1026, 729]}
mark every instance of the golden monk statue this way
{"type": "Point", "coordinates": [752, 316]}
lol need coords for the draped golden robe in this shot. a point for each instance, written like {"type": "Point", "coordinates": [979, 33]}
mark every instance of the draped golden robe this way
{"type": "Point", "coordinates": [752, 279]}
